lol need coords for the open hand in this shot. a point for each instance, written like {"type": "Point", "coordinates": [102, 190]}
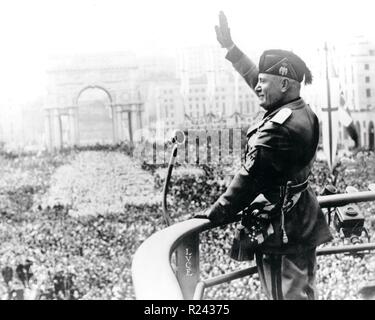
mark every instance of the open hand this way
{"type": "Point", "coordinates": [223, 32]}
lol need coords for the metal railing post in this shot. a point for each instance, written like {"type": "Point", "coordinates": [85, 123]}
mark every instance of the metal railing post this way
{"type": "Point", "coordinates": [187, 263]}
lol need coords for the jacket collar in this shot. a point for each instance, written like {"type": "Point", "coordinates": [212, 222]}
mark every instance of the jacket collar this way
{"type": "Point", "coordinates": [294, 104]}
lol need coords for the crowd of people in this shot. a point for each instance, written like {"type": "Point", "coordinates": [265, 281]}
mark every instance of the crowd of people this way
{"type": "Point", "coordinates": [63, 235]}
{"type": "Point", "coordinates": [71, 222]}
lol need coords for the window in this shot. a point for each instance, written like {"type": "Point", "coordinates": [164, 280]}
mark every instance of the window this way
{"type": "Point", "coordinates": [368, 93]}
{"type": "Point", "coordinates": [367, 79]}
{"type": "Point", "coordinates": [367, 66]}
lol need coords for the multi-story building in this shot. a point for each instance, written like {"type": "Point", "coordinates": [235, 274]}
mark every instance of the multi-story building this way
{"type": "Point", "coordinates": [169, 104]}
{"type": "Point", "coordinates": [351, 70]}
{"type": "Point", "coordinates": [357, 73]}
{"type": "Point", "coordinates": [358, 77]}
{"type": "Point", "coordinates": [361, 82]}
{"type": "Point", "coordinates": [198, 88]}
{"type": "Point", "coordinates": [205, 91]}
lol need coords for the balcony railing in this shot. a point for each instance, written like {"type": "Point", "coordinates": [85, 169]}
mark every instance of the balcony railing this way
{"type": "Point", "coordinates": [166, 265]}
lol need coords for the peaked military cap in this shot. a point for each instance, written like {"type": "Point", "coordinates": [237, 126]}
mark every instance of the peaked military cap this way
{"type": "Point", "coordinates": [286, 64]}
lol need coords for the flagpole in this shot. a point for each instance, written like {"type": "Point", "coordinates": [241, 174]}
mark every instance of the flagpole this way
{"type": "Point", "coordinates": [329, 108]}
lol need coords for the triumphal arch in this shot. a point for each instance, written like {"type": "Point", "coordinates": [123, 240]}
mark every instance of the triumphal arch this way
{"type": "Point", "coordinates": [70, 122]}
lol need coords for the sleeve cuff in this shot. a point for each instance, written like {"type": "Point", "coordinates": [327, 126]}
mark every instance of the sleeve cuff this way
{"type": "Point", "coordinates": [234, 54]}
{"type": "Point", "coordinates": [217, 213]}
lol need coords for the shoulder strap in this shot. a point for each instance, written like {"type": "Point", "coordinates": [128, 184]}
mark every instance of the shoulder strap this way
{"type": "Point", "coordinates": [281, 116]}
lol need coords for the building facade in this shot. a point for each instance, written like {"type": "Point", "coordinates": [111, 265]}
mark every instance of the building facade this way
{"type": "Point", "coordinates": [205, 91]}
{"type": "Point", "coordinates": [351, 74]}
{"type": "Point", "coordinates": [194, 87]}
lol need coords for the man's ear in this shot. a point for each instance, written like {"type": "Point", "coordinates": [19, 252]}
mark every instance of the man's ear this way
{"type": "Point", "coordinates": [285, 84]}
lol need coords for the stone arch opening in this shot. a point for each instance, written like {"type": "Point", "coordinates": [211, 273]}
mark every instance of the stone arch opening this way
{"type": "Point", "coordinates": [95, 118]}
{"type": "Point", "coordinates": [97, 88]}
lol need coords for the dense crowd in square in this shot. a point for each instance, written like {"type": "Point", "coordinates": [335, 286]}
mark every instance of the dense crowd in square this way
{"type": "Point", "coordinates": [71, 221]}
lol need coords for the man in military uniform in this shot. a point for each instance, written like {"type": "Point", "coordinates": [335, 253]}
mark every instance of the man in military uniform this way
{"type": "Point", "coordinates": [280, 153]}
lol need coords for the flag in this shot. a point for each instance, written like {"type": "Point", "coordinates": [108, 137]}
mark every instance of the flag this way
{"type": "Point", "coordinates": [344, 116]}
{"type": "Point", "coordinates": [347, 121]}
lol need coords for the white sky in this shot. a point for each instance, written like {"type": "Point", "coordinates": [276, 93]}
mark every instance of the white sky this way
{"type": "Point", "coordinates": [32, 30]}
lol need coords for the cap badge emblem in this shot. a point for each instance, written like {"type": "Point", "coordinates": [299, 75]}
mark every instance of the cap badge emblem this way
{"type": "Point", "coordinates": [283, 71]}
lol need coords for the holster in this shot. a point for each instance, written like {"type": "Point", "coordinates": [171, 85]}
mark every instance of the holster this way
{"type": "Point", "coordinates": [256, 222]}
{"type": "Point", "coordinates": [253, 230]}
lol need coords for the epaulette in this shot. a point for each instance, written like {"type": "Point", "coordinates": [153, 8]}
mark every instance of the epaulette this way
{"type": "Point", "coordinates": [281, 116]}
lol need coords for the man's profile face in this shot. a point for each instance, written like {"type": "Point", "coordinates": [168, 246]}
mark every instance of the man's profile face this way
{"type": "Point", "coordinates": [268, 90]}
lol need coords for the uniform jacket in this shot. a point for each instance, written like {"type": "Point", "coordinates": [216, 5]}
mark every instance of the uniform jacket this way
{"type": "Point", "coordinates": [281, 147]}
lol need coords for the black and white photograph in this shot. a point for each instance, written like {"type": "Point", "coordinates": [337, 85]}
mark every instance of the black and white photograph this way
{"type": "Point", "coordinates": [203, 151]}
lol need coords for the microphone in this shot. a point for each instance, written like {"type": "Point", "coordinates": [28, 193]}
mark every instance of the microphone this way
{"type": "Point", "coordinates": [178, 137]}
